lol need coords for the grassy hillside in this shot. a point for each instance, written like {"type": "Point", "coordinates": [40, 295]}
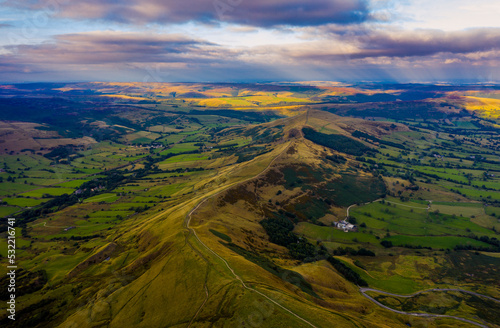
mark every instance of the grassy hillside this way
{"type": "Point", "coordinates": [189, 210]}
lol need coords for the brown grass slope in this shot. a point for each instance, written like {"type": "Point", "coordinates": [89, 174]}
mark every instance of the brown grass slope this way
{"type": "Point", "coordinates": [171, 279]}
{"type": "Point", "coordinates": [237, 211]}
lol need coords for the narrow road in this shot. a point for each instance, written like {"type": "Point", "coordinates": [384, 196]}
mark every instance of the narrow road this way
{"type": "Point", "coordinates": [188, 220]}
{"type": "Point", "coordinates": [364, 290]}
{"type": "Point", "coordinates": [431, 290]}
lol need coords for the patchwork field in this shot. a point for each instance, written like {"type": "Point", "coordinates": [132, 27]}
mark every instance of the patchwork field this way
{"type": "Point", "coordinates": [215, 205]}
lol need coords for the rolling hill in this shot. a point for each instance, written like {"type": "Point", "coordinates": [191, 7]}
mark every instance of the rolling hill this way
{"type": "Point", "coordinates": [191, 210]}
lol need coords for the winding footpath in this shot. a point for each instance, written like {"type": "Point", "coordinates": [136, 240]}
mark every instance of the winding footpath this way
{"type": "Point", "coordinates": [361, 289]}
{"type": "Point", "coordinates": [364, 290]}
{"type": "Point", "coordinates": [191, 230]}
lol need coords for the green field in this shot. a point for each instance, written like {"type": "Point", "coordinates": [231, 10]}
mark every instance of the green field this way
{"type": "Point", "coordinates": [185, 158]}
{"type": "Point", "coordinates": [478, 194]}
{"type": "Point", "coordinates": [464, 209]}
{"type": "Point", "coordinates": [7, 210]}
{"type": "Point", "coordinates": [435, 242]}
{"type": "Point", "coordinates": [72, 184]}
{"type": "Point", "coordinates": [23, 202]}
{"type": "Point", "coordinates": [404, 220]}
{"type": "Point", "coordinates": [180, 148]}
{"type": "Point", "coordinates": [188, 227]}
{"type": "Point", "coordinates": [330, 234]}
{"type": "Point", "coordinates": [39, 193]}
{"type": "Point", "coordinates": [395, 283]}
{"type": "Point", "coordinates": [106, 197]}
{"type": "Point", "coordinates": [492, 210]}
{"type": "Point", "coordinates": [10, 188]}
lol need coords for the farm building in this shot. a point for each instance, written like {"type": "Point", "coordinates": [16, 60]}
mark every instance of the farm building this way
{"type": "Point", "coordinates": [346, 226]}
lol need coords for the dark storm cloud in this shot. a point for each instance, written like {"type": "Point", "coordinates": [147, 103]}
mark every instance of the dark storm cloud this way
{"type": "Point", "coordinates": [265, 13]}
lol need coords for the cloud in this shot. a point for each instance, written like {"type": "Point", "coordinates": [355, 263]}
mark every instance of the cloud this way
{"type": "Point", "coordinates": [262, 13]}
{"type": "Point", "coordinates": [358, 43]}
{"type": "Point", "coordinates": [425, 43]}
{"type": "Point", "coordinates": [4, 25]}
{"type": "Point", "coordinates": [113, 55]}
{"type": "Point", "coordinates": [116, 47]}
{"type": "Point", "coordinates": [352, 53]}
{"type": "Point", "coordinates": [242, 29]}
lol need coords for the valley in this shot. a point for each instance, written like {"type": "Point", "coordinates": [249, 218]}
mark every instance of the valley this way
{"type": "Point", "coordinates": [214, 205]}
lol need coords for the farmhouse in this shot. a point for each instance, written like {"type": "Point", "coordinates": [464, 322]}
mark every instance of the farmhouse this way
{"type": "Point", "coordinates": [346, 226]}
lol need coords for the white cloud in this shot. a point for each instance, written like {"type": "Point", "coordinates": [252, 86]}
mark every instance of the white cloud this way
{"type": "Point", "coordinates": [447, 15]}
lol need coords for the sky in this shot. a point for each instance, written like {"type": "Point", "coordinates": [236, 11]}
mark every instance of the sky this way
{"type": "Point", "coordinates": [449, 41]}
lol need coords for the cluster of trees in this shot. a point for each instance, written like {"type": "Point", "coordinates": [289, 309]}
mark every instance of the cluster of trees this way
{"type": "Point", "coordinates": [351, 251]}
{"type": "Point", "coordinates": [359, 134]}
{"type": "Point", "coordinates": [347, 272]}
{"type": "Point", "coordinates": [386, 243]}
{"type": "Point", "coordinates": [139, 209]}
{"type": "Point", "coordinates": [45, 208]}
{"type": "Point", "coordinates": [337, 142]}
{"type": "Point", "coordinates": [60, 152]}
{"type": "Point", "coordinates": [474, 248]}
{"type": "Point", "coordinates": [485, 239]}
{"type": "Point", "coordinates": [110, 181]}
{"type": "Point", "coordinates": [87, 189]}
{"type": "Point", "coordinates": [231, 145]}
{"type": "Point", "coordinates": [73, 238]}
{"type": "Point", "coordinates": [280, 232]}
{"type": "Point", "coordinates": [415, 246]}
{"type": "Point", "coordinates": [339, 159]}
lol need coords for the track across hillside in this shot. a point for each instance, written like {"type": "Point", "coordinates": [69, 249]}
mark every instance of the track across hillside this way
{"type": "Point", "coordinates": [191, 230]}
{"type": "Point", "coordinates": [363, 291]}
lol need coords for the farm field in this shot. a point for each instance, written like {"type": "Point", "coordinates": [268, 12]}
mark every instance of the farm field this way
{"type": "Point", "coordinates": [39, 193]}
{"type": "Point", "coordinates": [188, 190]}
{"type": "Point", "coordinates": [107, 198]}
{"type": "Point", "coordinates": [23, 202]}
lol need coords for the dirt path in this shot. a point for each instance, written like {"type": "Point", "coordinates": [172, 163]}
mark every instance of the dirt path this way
{"type": "Point", "coordinates": [364, 290]}
{"type": "Point", "coordinates": [47, 226]}
{"type": "Point", "coordinates": [191, 230]}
